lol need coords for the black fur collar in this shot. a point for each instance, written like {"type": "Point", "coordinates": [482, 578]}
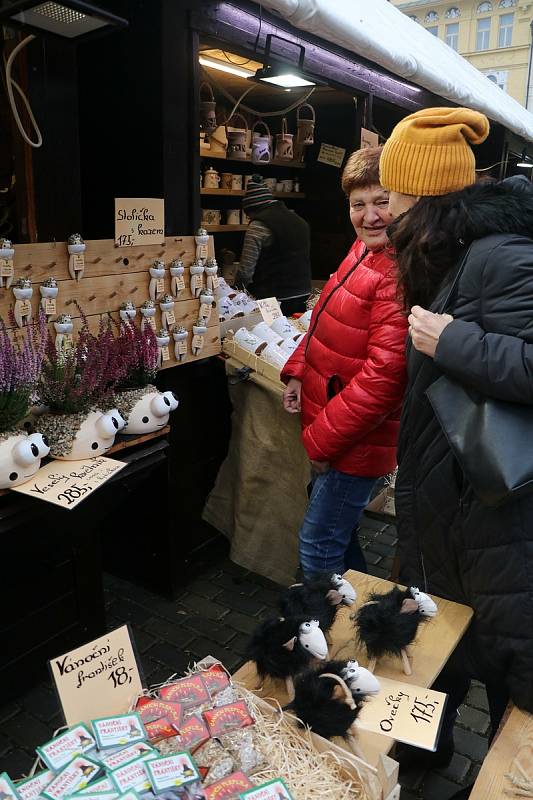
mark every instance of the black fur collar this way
{"type": "Point", "coordinates": [484, 209]}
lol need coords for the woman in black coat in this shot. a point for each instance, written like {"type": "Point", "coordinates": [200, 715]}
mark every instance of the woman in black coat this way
{"type": "Point", "coordinates": [450, 544]}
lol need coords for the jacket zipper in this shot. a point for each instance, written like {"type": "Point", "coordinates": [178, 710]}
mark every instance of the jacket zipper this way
{"type": "Point", "coordinates": [330, 295]}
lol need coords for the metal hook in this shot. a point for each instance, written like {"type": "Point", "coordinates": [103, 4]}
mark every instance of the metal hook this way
{"type": "Point", "coordinates": [141, 255]}
{"type": "Point", "coordinates": [96, 260]}
{"type": "Point", "coordinates": [113, 294]}
{"type": "Point", "coordinates": [118, 259]}
{"type": "Point", "coordinates": [51, 264]}
{"type": "Point", "coordinates": [27, 267]}
{"type": "Point", "coordinates": [92, 297]}
{"type": "Point", "coordinates": [135, 289]}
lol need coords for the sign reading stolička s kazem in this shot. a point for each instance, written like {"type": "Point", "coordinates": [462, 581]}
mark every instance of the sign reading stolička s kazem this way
{"type": "Point", "coordinates": [98, 679]}
{"type": "Point", "coordinates": [139, 221]}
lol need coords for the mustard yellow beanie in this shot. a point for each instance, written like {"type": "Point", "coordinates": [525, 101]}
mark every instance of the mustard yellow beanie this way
{"type": "Point", "coordinates": [429, 153]}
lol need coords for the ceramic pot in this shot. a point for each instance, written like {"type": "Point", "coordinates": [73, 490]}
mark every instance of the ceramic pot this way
{"type": "Point", "coordinates": [146, 410]}
{"type": "Point", "coordinates": [20, 457]}
{"type": "Point", "coordinates": [23, 294]}
{"type": "Point", "coordinates": [208, 117]}
{"type": "Point", "coordinates": [7, 250]}
{"type": "Point", "coordinates": [284, 328]}
{"type": "Point", "coordinates": [261, 144]}
{"type": "Point", "coordinates": [48, 291]}
{"type": "Point", "coordinates": [275, 356]}
{"type": "Point", "coordinates": [284, 143]}
{"type": "Point", "coordinates": [75, 437]}
{"type": "Point", "coordinates": [305, 133]}
{"type": "Point", "coordinates": [237, 140]}
{"type": "Point", "coordinates": [233, 216]}
{"type": "Point", "coordinates": [226, 180]}
{"type": "Point", "coordinates": [265, 332]}
{"type": "Point", "coordinates": [249, 341]}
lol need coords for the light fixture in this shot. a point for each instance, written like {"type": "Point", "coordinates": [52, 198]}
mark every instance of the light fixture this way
{"type": "Point", "coordinates": [525, 162]}
{"type": "Point", "coordinates": [71, 19]}
{"type": "Point", "coordinates": [284, 75]}
{"type": "Point", "coordinates": [223, 66]}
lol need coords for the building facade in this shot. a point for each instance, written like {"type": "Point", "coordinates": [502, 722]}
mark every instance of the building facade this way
{"type": "Point", "coordinates": [494, 35]}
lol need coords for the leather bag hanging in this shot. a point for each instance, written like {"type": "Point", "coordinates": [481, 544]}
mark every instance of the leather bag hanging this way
{"type": "Point", "coordinates": [489, 437]}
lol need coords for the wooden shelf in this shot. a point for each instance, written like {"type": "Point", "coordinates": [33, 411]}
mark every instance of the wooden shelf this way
{"type": "Point", "coordinates": [224, 228]}
{"type": "Point", "coordinates": [242, 192]}
{"type": "Point", "coordinates": [274, 163]}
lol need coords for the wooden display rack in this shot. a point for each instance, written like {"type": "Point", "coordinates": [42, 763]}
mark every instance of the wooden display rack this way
{"type": "Point", "coordinates": [112, 275]}
{"type": "Point", "coordinates": [435, 643]}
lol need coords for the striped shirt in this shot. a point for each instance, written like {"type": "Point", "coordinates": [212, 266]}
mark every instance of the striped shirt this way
{"type": "Point", "coordinates": [257, 237]}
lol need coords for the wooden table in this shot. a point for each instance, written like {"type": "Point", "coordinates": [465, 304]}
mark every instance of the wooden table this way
{"type": "Point", "coordinates": [515, 738]}
{"type": "Point", "coordinates": [435, 643]}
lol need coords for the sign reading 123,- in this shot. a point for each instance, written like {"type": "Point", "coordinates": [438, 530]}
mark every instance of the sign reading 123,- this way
{"type": "Point", "coordinates": [98, 679]}
{"type": "Point", "coordinates": [139, 221]}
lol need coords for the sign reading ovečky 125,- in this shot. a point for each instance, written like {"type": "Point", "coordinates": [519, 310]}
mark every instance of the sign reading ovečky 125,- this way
{"type": "Point", "coordinates": [139, 221]}
{"type": "Point", "coordinates": [98, 679]}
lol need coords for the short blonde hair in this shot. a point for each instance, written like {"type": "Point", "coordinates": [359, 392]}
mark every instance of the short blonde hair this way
{"type": "Point", "coordinates": [361, 170]}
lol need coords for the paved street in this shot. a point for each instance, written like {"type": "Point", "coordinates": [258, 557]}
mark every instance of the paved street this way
{"type": "Point", "coordinates": [215, 615]}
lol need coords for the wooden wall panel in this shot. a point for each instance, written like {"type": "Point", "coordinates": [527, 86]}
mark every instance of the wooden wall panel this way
{"type": "Point", "coordinates": [112, 275]}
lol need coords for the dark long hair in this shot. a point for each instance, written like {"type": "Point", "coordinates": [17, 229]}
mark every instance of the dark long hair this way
{"type": "Point", "coordinates": [428, 241]}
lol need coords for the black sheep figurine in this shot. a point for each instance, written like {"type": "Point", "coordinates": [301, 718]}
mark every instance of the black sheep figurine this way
{"type": "Point", "coordinates": [284, 646]}
{"type": "Point", "coordinates": [329, 698]}
{"type": "Point", "coordinates": [321, 597]}
{"type": "Point", "coordinates": [388, 623]}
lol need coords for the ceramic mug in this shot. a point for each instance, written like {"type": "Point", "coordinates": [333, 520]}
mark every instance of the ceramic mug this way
{"type": "Point", "coordinates": [287, 185]}
{"type": "Point", "coordinates": [245, 219]}
{"type": "Point", "coordinates": [264, 332]}
{"type": "Point", "coordinates": [279, 186]}
{"type": "Point", "coordinates": [247, 340]}
{"type": "Point", "coordinates": [226, 180]}
{"type": "Point", "coordinates": [283, 328]}
{"type": "Point", "coordinates": [236, 183]}
{"type": "Point", "coordinates": [271, 183]}
{"type": "Point", "coordinates": [211, 179]}
{"type": "Point", "coordinates": [288, 346]}
{"type": "Point", "coordinates": [233, 216]}
{"type": "Point", "coordinates": [274, 355]}
{"type": "Point", "coordinates": [211, 216]}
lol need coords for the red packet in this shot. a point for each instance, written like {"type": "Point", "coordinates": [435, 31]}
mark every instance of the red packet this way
{"type": "Point", "coordinates": [228, 718]}
{"type": "Point", "coordinates": [215, 678]}
{"type": "Point", "coordinates": [160, 729]}
{"type": "Point", "coordinates": [190, 692]}
{"type": "Point", "coordinates": [228, 788]}
{"type": "Point", "coordinates": [203, 772]}
{"type": "Point", "coordinates": [193, 732]}
{"type": "Point", "coordinates": [159, 709]}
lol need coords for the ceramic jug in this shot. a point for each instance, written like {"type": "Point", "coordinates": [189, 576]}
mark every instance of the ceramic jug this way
{"type": "Point", "coordinates": [284, 144]}
{"type": "Point", "coordinates": [211, 179]}
{"type": "Point", "coordinates": [261, 144]}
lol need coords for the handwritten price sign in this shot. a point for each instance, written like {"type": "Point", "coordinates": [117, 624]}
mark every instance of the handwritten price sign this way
{"type": "Point", "coordinates": [67, 483]}
{"type": "Point", "coordinates": [139, 221]}
{"type": "Point", "coordinates": [98, 679]}
{"type": "Point", "coordinates": [270, 309]}
{"type": "Point", "coordinates": [406, 713]}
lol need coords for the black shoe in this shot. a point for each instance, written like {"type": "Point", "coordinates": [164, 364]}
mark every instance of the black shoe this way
{"type": "Point", "coordinates": [410, 757]}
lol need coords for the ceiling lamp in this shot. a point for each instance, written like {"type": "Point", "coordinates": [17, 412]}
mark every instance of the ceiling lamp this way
{"type": "Point", "coordinates": [287, 76]}
{"type": "Point", "coordinates": [224, 66]}
{"type": "Point", "coordinates": [525, 162]}
{"type": "Point", "coordinates": [70, 18]}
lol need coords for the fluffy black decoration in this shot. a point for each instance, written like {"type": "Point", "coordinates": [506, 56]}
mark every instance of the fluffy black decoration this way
{"type": "Point", "coordinates": [382, 628]}
{"type": "Point", "coordinates": [315, 705]}
{"type": "Point", "coordinates": [266, 648]}
{"type": "Point", "coordinates": [310, 598]}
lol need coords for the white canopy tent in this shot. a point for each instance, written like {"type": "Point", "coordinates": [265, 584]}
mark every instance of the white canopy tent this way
{"type": "Point", "coordinates": [379, 32]}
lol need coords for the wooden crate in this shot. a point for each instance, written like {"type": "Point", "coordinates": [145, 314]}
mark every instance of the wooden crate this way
{"type": "Point", "coordinates": [258, 364]}
{"type": "Point", "coordinates": [379, 782]}
{"type": "Point", "coordinates": [112, 275]}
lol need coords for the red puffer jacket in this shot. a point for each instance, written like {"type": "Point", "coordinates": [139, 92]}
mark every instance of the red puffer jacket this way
{"type": "Point", "coordinates": [352, 367]}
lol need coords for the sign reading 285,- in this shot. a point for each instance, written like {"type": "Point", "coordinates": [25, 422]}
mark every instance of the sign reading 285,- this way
{"type": "Point", "coordinates": [99, 678]}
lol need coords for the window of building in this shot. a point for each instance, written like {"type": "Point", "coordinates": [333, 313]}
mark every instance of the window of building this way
{"type": "Point", "coordinates": [452, 35]}
{"type": "Point", "coordinates": [505, 31]}
{"type": "Point", "coordinates": [499, 78]}
{"type": "Point", "coordinates": [506, 3]}
{"type": "Point", "coordinates": [484, 8]}
{"type": "Point", "coordinates": [483, 34]}
{"type": "Point", "coordinates": [432, 16]}
{"type": "Point", "coordinates": [453, 13]}
{"type": "Point", "coordinates": [434, 29]}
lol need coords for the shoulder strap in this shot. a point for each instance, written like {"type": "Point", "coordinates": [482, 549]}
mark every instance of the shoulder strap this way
{"type": "Point", "coordinates": [448, 302]}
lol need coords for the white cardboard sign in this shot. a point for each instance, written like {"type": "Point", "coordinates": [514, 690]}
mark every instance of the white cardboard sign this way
{"type": "Point", "coordinates": [139, 221]}
{"type": "Point", "coordinates": [270, 309]}
{"type": "Point", "coordinates": [67, 483]}
{"type": "Point", "coordinates": [98, 679]}
{"type": "Point", "coordinates": [405, 713]}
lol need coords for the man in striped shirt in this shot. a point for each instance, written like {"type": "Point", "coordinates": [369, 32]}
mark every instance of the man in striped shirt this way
{"type": "Point", "coordinates": [275, 260]}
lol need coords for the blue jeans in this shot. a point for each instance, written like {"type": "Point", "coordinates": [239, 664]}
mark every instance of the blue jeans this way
{"type": "Point", "coordinates": [328, 541]}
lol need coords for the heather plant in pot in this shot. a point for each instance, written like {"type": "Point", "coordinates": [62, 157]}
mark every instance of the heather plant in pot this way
{"type": "Point", "coordinates": [77, 386]}
{"type": "Point", "coordinates": [141, 404]}
{"type": "Point", "coordinates": [21, 359]}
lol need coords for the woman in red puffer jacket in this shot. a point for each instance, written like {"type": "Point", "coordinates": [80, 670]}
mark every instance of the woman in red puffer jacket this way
{"type": "Point", "coordinates": [347, 378]}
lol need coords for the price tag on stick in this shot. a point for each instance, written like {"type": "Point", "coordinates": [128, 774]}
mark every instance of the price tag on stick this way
{"type": "Point", "coordinates": [98, 679]}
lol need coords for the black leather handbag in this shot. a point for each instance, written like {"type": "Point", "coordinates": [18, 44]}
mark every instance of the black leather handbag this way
{"type": "Point", "coordinates": [490, 438]}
